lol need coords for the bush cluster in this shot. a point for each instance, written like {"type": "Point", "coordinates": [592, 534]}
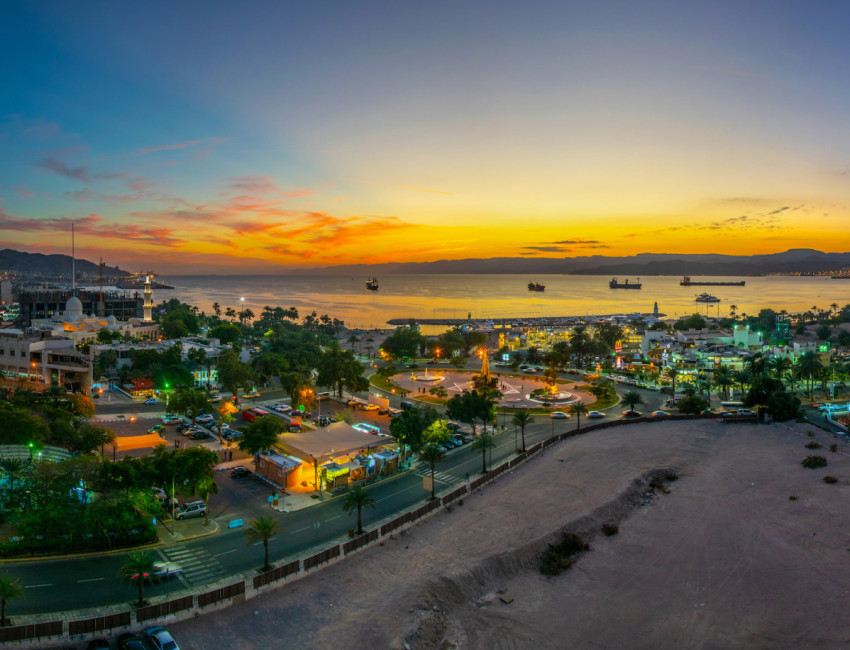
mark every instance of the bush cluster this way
{"type": "Point", "coordinates": [813, 462]}
{"type": "Point", "coordinates": [560, 556]}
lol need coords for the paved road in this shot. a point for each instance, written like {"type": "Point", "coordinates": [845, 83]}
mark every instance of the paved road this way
{"type": "Point", "coordinates": [86, 582]}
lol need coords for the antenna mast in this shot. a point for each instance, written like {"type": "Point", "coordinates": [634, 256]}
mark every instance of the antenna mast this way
{"type": "Point", "coordinates": [73, 264]}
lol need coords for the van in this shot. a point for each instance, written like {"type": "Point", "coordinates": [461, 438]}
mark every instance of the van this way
{"type": "Point", "coordinates": [191, 509]}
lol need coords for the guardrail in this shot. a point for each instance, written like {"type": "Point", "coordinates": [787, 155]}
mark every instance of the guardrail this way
{"type": "Point", "coordinates": [184, 606]}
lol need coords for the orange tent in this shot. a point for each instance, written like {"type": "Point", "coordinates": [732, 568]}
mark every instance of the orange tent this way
{"type": "Point", "coordinates": [128, 443]}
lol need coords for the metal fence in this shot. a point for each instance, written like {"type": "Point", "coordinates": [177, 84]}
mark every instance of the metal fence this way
{"type": "Point", "coordinates": [217, 595]}
{"type": "Point", "coordinates": [164, 609]}
{"type": "Point", "coordinates": [358, 542]}
{"type": "Point", "coordinates": [98, 624]}
{"type": "Point", "coordinates": [276, 574]}
{"type": "Point", "coordinates": [320, 558]}
{"type": "Point", "coordinates": [34, 631]}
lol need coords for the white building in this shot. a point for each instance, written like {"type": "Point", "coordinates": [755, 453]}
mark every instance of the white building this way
{"type": "Point", "coordinates": [76, 326]}
{"type": "Point", "coordinates": [41, 360]}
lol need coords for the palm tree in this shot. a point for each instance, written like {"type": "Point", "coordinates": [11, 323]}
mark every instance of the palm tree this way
{"type": "Point", "coordinates": [262, 529]}
{"type": "Point", "coordinates": [723, 378]}
{"type": "Point", "coordinates": [632, 398]}
{"type": "Point", "coordinates": [206, 488]}
{"type": "Point", "coordinates": [230, 312]}
{"type": "Point", "coordinates": [483, 443]}
{"type": "Point", "coordinates": [357, 497]}
{"type": "Point", "coordinates": [809, 366]}
{"type": "Point", "coordinates": [671, 372]}
{"type": "Point", "coordinates": [139, 569]}
{"type": "Point", "coordinates": [578, 409]}
{"type": "Point", "coordinates": [432, 454]}
{"type": "Point", "coordinates": [9, 590]}
{"type": "Point", "coordinates": [216, 309]}
{"type": "Point", "coordinates": [522, 419]}
{"type": "Point", "coordinates": [13, 468]}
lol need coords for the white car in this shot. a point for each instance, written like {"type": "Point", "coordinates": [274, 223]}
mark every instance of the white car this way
{"type": "Point", "coordinates": [161, 638]}
{"type": "Point", "coordinates": [282, 408]}
{"type": "Point", "coordinates": [205, 419]}
{"type": "Point", "coordinates": [559, 415]}
{"type": "Point", "coordinates": [165, 569]}
{"type": "Point", "coordinates": [595, 414]}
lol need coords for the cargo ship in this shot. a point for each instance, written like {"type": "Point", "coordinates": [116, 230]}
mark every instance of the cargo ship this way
{"type": "Point", "coordinates": [616, 284]}
{"type": "Point", "coordinates": [534, 286]}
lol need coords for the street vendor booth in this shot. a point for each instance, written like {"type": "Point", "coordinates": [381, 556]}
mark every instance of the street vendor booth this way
{"type": "Point", "coordinates": [277, 469]}
{"type": "Point", "coordinates": [129, 443]}
{"type": "Point", "coordinates": [327, 452]}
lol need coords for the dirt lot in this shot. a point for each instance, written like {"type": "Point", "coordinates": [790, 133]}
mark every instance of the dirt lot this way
{"type": "Point", "coordinates": [725, 559]}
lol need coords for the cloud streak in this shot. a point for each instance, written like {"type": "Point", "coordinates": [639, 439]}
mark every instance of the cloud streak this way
{"type": "Point", "coordinates": [81, 173]}
{"type": "Point", "coordinates": [181, 145]}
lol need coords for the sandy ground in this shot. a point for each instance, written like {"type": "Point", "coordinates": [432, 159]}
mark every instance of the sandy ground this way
{"type": "Point", "coordinates": [725, 559]}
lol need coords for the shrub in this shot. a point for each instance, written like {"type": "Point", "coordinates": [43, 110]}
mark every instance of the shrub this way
{"type": "Point", "coordinates": [610, 529]}
{"type": "Point", "coordinates": [560, 556]}
{"type": "Point", "coordinates": [793, 497]}
{"type": "Point", "coordinates": [811, 434]}
{"type": "Point", "coordinates": [813, 445]}
{"type": "Point", "coordinates": [814, 462]}
{"type": "Point", "coordinates": [833, 448]}
{"type": "Point", "coordinates": [830, 479]}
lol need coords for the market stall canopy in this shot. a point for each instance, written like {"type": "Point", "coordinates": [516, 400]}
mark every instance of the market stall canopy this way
{"type": "Point", "coordinates": [128, 443]}
{"type": "Point", "coordinates": [335, 440]}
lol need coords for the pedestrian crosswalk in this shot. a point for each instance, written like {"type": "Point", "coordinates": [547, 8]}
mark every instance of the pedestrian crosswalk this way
{"type": "Point", "coordinates": [196, 565]}
{"type": "Point", "coordinates": [439, 477]}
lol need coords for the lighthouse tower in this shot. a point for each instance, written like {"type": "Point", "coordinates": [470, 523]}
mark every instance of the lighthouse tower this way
{"type": "Point", "coordinates": [148, 306]}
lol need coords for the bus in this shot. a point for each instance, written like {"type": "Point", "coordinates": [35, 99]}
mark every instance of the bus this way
{"type": "Point", "coordinates": [731, 406]}
{"type": "Point", "coordinates": [253, 413]}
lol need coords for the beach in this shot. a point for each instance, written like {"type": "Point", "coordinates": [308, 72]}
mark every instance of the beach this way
{"type": "Point", "coordinates": [746, 548]}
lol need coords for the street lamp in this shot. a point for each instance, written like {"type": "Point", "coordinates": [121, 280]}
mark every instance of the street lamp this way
{"type": "Point", "coordinates": [242, 310]}
{"type": "Point", "coordinates": [173, 476]}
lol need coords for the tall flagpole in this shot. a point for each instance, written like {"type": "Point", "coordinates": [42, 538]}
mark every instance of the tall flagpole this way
{"type": "Point", "coordinates": [73, 264]}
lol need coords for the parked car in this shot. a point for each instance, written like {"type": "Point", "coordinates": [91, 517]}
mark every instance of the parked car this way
{"type": "Point", "coordinates": [205, 419]}
{"type": "Point", "coordinates": [152, 400]}
{"type": "Point", "coordinates": [156, 428]}
{"type": "Point", "coordinates": [460, 440]}
{"type": "Point", "coordinates": [393, 413]}
{"type": "Point", "coordinates": [406, 405]}
{"type": "Point", "coordinates": [239, 472]}
{"type": "Point", "coordinates": [168, 418]}
{"type": "Point", "coordinates": [131, 641]}
{"type": "Point", "coordinates": [595, 414]}
{"type": "Point", "coordinates": [282, 408]}
{"type": "Point", "coordinates": [161, 638]}
{"type": "Point", "coordinates": [200, 435]}
{"type": "Point", "coordinates": [370, 407]}
{"type": "Point", "coordinates": [251, 396]}
{"type": "Point", "coordinates": [191, 509]}
{"type": "Point", "coordinates": [183, 426]}
{"type": "Point", "coordinates": [98, 644]}
{"type": "Point", "coordinates": [231, 435]}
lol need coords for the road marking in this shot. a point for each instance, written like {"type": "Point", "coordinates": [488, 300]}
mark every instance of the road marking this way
{"type": "Point", "coordinates": [226, 552]}
{"type": "Point", "coordinates": [332, 518]}
{"type": "Point", "coordinates": [270, 539]}
{"type": "Point", "coordinates": [300, 529]}
{"type": "Point", "coordinates": [37, 586]}
{"type": "Point", "coordinates": [91, 580]}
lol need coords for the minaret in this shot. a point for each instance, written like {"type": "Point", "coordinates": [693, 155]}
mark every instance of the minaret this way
{"type": "Point", "coordinates": [485, 367]}
{"type": "Point", "coordinates": [148, 300]}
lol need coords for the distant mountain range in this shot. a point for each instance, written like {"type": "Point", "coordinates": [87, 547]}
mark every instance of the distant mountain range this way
{"type": "Point", "coordinates": [799, 260]}
{"type": "Point", "coordinates": [53, 265]}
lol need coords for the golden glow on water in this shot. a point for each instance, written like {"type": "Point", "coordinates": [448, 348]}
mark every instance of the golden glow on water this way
{"type": "Point", "coordinates": [496, 296]}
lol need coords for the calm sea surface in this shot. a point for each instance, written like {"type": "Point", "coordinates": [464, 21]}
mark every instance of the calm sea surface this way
{"type": "Point", "coordinates": [496, 296]}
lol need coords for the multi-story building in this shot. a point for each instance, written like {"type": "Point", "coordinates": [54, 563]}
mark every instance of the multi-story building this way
{"type": "Point", "coordinates": [46, 304]}
{"type": "Point", "coordinates": [40, 360]}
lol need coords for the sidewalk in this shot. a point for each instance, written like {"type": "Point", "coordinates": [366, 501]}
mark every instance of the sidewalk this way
{"type": "Point", "coordinates": [184, 530]}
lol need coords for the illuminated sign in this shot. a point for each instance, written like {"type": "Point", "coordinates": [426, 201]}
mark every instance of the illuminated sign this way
{"type": "Point", "coordinates": [823, 348]}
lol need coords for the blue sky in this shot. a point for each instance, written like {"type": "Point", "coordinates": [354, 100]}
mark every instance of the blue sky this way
{"type": "Point", "coordinates": [259, 136]}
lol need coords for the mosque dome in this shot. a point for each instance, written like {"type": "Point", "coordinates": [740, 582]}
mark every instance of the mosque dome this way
{"type": "Point", "coordinates": [73, 310]}
{"type": "Point", "coordinates": [111, 320]}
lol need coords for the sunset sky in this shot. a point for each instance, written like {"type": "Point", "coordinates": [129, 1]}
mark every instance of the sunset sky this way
{"type": "Point", "coordinates": [245, 137]}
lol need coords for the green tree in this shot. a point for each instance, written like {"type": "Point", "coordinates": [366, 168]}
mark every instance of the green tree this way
{"type": "Point", "coordinates": [232, 373]}
{"type": "Point", "coordinates": [693, 322]}
{"type": "Point", "coordinates": [261, 434]}
{"type": "Point", "coordinates": [432, 454]}
{"type": "Point", "coordinates": [632, 398]}
{"type": "Point", "coordinates": [13, 468]}
{"type": "Point", "coordinates": [482, 443]}
{"type": "Point", "coordinates": [404, 342]}
{"type": "Point", "coordinates": [692, 404]}
{"type": "Point", "coordinates": [522, 419]}
{"type": "Point", "coordinates": [190, 402]}
{"type": "Point", "coordinates": [139, 570]}
{"type": "Point", "coordinates": [580, 344]}
{"type": "Point", "coordinates": [809, 366]}
{"type": "Point", "coordinates": [340, 369]}
{"type": "Point", "coordinates": [262, 529]}
{"type": "Point", "coordinates": [408, 429]}
{"type": "Point", "coordinates": [227, 333]}
{"type": "Point", "coordinates": [10, 589]}
{"type": "Point", "coordinates": [578, 409]}
{"type": "Point", "coordinates": [437, 431]}
{"type": "Point", "coordinates": [358, 498]}
{"type": "Point", "coordinates": [672, 373]}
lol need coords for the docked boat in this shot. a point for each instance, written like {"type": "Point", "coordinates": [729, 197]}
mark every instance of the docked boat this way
{"type": "Point", "coordinates": [707, 297]}
{"type": "Point", "coordinates": [534, 286]}
{"type": "Point", "coordinates": [687, 282]}
{"type": "Point", "coordinates": [372, 285]}
{"type": "Point", "coordinates": [616, 284]}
